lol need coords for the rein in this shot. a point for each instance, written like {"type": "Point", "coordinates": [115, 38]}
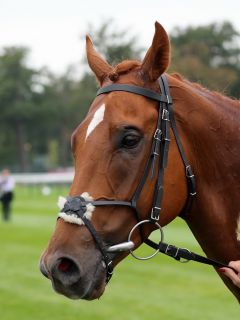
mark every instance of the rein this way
{"type": "Point", "coordinates": [76, 206]}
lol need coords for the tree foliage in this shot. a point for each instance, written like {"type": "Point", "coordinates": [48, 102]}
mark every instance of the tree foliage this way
{"type": "Point", "coordinates": [208, 54]}
{"type": "Point", "coordinates": [114, 45]}
{"type": "Point", "coordinates": [39, 110]}
{"type": "Point", "coordinates": [18, 103]}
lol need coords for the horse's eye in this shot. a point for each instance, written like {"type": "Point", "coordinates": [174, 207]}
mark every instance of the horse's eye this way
{"type": "Point", "coordinates": [130, 141]}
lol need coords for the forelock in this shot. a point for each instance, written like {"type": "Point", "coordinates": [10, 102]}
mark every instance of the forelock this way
{"type": "Point", "coordinates": [122, 68]}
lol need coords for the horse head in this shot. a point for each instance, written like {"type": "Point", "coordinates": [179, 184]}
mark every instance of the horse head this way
{"type": "Point", "coordinates": [111, 149]}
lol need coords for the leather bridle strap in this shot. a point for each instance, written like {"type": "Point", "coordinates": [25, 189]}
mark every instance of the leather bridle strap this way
{"type": "Point", "coordinates": [159, 146]}
{"type": "Point", "coordinates": [101, 247]}
{"type": "Point", "coordinates": [159, 149]}
{"type": "Point", "coordinates": [188, 170]}
{"type": "Point", "coordinates": [160, 143]}
{"type": "Point", "coordinates": [181, 254]}
{"type": "Point", "coordinates": [133, 89]}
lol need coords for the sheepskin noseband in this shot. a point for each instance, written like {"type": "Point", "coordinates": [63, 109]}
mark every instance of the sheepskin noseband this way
{"type": "Point", "coordinates": [73, 208]}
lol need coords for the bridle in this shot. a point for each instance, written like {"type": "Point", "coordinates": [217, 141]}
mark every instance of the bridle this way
{"type": "Point", "coordinates": [158, 157]}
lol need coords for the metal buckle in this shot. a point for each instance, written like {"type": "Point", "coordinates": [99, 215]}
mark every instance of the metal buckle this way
{"type": "Point", "coordinates": [191, 176]}
{"type": "Point", "coordinates": [158, 135]}
{"type": "Point", "coordinates": [181, 260]}
{"type": "Point", "coordinates": [167, 139]}
{"type": "Point", "coordinates": [153, 215]}
{"type": "Point", "coordinates": [193, 193]}
{"type": "Point", "coordinates": [184, 260]}
{"type": "Point", "coordinates": [169, 99]}
{"type": "Point", "coordinates": [168, 249]}
{"type": "Point", "coordinates": [165, 115]}
{"type": "Point", "coordinates": [189, 173]}
{"type": "Point", "coordinates": [161, 239]}
{"type": "Point", "coordinates": [110, 267]}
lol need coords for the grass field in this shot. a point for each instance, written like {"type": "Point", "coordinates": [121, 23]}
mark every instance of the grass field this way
{"type": "Point", "coordinates": [157, 289]}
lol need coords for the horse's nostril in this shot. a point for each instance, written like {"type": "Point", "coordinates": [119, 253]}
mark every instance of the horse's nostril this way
{"type": "Point", "coordinates": [67, 266]}
{"type": "Point", "coordinates": [66, 271]}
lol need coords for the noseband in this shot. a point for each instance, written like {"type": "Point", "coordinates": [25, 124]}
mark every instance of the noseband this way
{"type": "Point", "coordinates": [159, 155]}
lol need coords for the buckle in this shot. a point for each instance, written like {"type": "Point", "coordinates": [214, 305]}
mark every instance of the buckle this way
{"type": "Point", "coordinates": [191, 177]}
{"type": "Point", "coordinates": [155, 213]}
{"type": "Point", "coordinates": [189, 172]}
{"type": "Point", "coordinates": [169, 99]}
{"type": "Point", "coordinates": [109, 267]}
{"type": "Point", "coordinates": [158, 135]}
{"type": "Point", "coordinates": [167, 139]}
{"type": "Point", "coordinates": [172, 251]}
{"type": "Point", "coordinates": [165, 115]}
{"type": "Point", "coordinates": [175, 253]}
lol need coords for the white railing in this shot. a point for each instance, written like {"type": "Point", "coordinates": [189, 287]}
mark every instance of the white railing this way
{"type": "Point", "coordinates": [44, 178]}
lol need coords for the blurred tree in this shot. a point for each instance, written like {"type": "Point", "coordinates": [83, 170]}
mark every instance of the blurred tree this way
{"type": "Point", "coordinates": [114, 45]}
{"type": "Point", "coordinates": [40, 110]}
{"type": "Point", "coordinates": [65, 102]}
{"type": "Point", "coordinates": [209, 54]}
{"type": "Point", "coordinates": [17, 101]}
{"type": "Point", "coordinates": [59, 115]}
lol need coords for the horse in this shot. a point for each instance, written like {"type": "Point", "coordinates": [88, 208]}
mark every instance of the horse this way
{"type": "Point", "coordinates": [133, 175]}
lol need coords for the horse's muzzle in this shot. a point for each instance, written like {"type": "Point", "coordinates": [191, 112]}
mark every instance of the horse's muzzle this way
{"type": "Point", "coordinates": [69, 279]}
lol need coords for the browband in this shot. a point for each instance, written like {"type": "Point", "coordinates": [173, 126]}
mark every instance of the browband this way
{"type": "Point", "coordinates": [137, 90]}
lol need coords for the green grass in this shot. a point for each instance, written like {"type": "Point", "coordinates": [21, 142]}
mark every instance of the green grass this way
{"type": "Point", "coordinates": [157, 289]}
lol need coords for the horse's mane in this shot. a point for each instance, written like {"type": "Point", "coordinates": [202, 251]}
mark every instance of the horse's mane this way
{"type": "Point", "coordinates": [127, 66]}
{"type": "Point", "coordinates": [213, 95]}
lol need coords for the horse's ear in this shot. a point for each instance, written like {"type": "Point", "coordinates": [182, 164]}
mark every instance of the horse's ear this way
{"type": "Point", "coordinates": [96, 62]}
{"type": "Point", "coordinates": [157, 57]}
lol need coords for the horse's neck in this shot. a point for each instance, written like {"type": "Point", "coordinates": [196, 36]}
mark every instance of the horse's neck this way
{"type": "Point", "coordinates": [211, 135]}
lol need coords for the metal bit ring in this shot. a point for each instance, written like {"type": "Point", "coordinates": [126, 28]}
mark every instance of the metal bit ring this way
{"type": "Point", "coordinates": [161, 239]}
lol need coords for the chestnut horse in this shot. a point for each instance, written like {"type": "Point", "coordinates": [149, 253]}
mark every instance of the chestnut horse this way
{"type": "Point", "coordinates": [111, 148]}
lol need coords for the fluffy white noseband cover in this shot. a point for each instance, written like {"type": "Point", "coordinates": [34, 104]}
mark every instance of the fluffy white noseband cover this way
{"type": "Point", "coordinates": [73, 218]}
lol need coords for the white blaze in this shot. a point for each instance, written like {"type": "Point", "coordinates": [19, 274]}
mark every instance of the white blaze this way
{"type": "Point", "coordinates": [96, 120]}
